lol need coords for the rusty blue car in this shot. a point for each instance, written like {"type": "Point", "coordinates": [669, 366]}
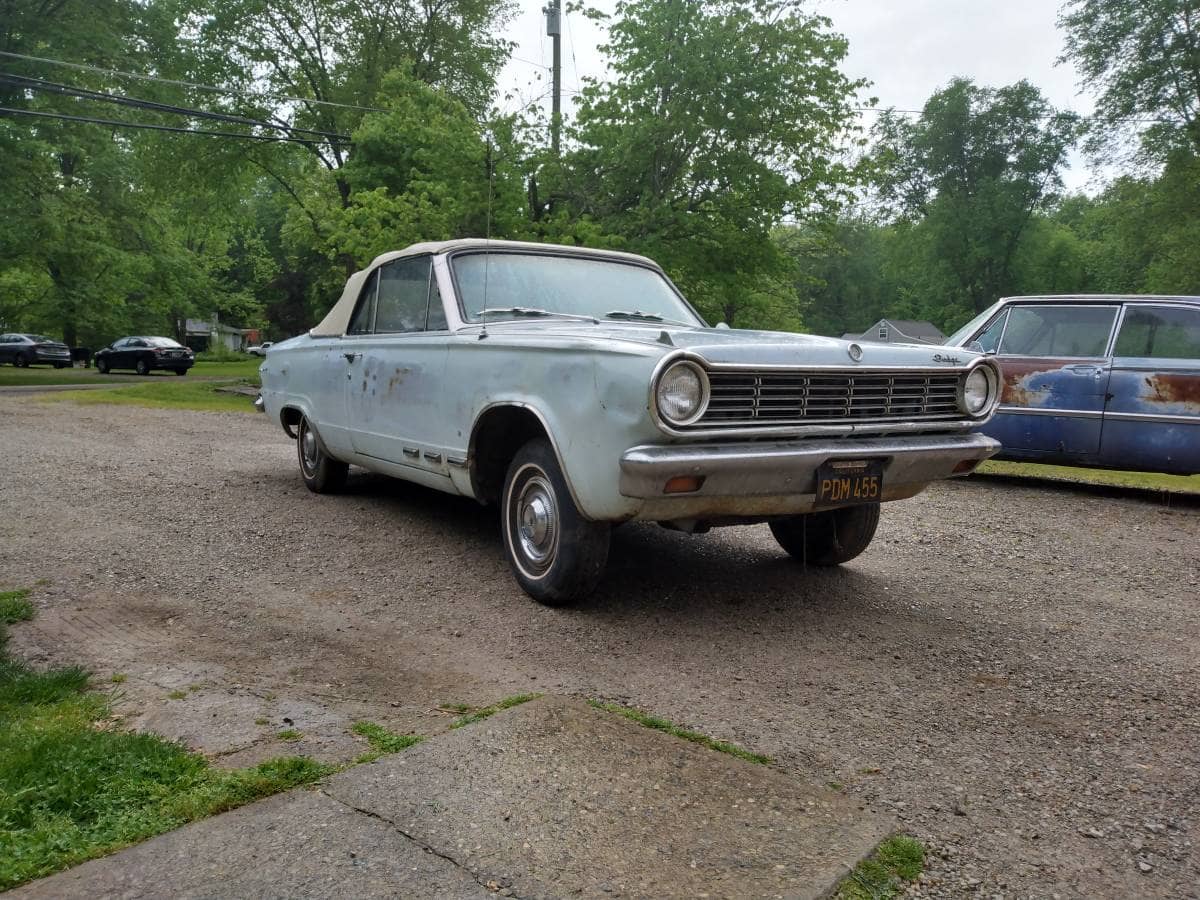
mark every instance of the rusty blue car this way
{"type": "Point", "coordinates": [578, 389]}
{"type": "Point", "coordinates": [1095, 380]}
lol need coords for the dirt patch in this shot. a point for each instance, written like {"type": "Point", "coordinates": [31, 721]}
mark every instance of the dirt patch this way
{"type": "Point", "coordinates": [1012, 675]}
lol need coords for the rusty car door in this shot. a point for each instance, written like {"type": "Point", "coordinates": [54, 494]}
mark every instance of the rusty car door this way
{"type": "Point", "coordinates": [1152, 418]}
{"type": "Point", "coordinates": [1056, 366]}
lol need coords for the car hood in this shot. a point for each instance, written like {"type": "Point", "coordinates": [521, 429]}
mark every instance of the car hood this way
{"type": "Point", "coordinates": [733, 346]}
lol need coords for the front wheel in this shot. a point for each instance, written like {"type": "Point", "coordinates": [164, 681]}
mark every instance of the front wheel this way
{"type": "Point", "coordinates": [556, 554]}
{"type": "Point", "coordinates": [142, 367]}
{"type": "Point", "coordinates": [828, 538]}
{"type": "Point", "coordinates": [102, 366]}
{"type": "Point", "coordinates": [321, 472]}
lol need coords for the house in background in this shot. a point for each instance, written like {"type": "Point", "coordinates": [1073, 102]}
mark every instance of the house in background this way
{"type": "Point", "coordinates": [899, 331]}
{"type": "Point", "coordinates": [201, 335]}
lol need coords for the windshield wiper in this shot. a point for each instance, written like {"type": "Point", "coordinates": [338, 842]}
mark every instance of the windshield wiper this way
{"type": "Point", "coordinates": [532, 312]}
{"type": "Point", "coordinates": [636, 315]}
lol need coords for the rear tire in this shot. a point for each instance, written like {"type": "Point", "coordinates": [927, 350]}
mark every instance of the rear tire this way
{"type": "Point", "coordinates": [321, 472]}
{"type": "Point", "coordinates": [142, 367]}
{"type": "Point", "coordinates": [181, 371]}
{"type": "Point", "coordinates": [828, 538]}
{"type": "Point", "coordinates": [556, 555]}
{"type": "Point", "coordinates": [21, 361]}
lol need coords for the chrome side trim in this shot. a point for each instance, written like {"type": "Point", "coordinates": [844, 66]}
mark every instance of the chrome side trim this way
{"type": "Point", "coordinates": [459, 462]}
{"type": "Point", "coordinates": [432, 457]}
{"type": "Point", "coordinates": [412, 452]}
{"type": "Point", "coordinates": [1057, 413]}
{"type": "Point", "coordinates": [1153, 417]}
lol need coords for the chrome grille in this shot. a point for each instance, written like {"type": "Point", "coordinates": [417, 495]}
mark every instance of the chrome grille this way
{"type": "Point", "coordinates": [782, 398]}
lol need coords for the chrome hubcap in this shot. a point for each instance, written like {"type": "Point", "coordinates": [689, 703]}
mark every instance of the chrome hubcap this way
{"type": "Point", "coordinates": [308, 448]}
{"type": "Point", "coordinates": [537, 521]}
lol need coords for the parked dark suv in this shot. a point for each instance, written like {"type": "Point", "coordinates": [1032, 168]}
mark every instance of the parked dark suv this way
{"type": "Point", "coordinates": [144, 354]}
{"type": "Point", "coordinates": [31, 349]}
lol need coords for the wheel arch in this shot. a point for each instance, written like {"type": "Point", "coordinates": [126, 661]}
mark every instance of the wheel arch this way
{"type": "Point", "coordinates": [500, 430]}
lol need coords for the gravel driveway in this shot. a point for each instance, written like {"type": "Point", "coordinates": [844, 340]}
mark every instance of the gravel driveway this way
{"type": "Point", "coordinates": [1009, 671]}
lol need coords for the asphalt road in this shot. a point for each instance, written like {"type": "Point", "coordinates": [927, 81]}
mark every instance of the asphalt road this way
{"type": "Point", "coordinates": [1009, 671]}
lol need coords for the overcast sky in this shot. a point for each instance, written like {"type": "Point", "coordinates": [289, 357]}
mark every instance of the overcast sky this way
{"type": "Point", "coordinates": [907, 49]}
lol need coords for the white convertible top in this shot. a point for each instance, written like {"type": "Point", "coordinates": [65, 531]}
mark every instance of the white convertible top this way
{"type": "Point", "coordinates": [337, 320]}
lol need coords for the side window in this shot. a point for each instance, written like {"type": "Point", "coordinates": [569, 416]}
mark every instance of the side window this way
{"type": "Point", "coordinates": [436, 320]}
{"type": "Point", "coordinates": [1160, 332]}
{"type": "Point", "coordinates": [1058, 331]}
{"type": "Point", "coordinates": [364, 313]}
{"type": "Point", "coordinates": [403, 295]}
{"type": "Point", "coordinates": [989, 338]}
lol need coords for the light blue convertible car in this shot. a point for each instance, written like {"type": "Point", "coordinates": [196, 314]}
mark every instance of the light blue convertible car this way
{"type": "Point", "coordinates": [578, 389]}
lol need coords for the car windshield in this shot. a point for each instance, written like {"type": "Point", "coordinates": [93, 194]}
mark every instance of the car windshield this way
{"type": "Point", "coordinates": [959, 337]}
{"type": "Point", "coordinates": [162, 342]}
{"type": "Point", "coordinates": [520, 285]}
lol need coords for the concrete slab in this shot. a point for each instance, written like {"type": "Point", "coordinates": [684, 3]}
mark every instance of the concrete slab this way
{"type": "Point", "coordinates": [556, 798]}
{"type": "Point", "coordinates": [548, 799]}
{"type": "Point", "coordinates": [299, 844]}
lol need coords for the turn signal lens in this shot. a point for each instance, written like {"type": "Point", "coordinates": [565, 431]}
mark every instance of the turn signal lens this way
{"type": "Point", "coordinates": [684, 484]}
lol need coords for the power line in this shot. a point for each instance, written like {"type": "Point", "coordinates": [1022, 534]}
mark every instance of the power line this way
{"type": "Point", "coordinates": [189, 84]}
{"type": "Point", "coordinates": [146, 126]}
{"type": "Point", "coordinates": [38, 84]}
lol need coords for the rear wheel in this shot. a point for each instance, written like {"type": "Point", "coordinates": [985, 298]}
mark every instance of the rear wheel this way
{"type": "Point", "coordinates": [321, 472]}
{"type": "Point", "coordinates": [828, 538]}
{"type": "Point", "coordinates": [181, 371]}
{"type": "Point", "coordinates": [60, 365]}
{"type": "Point", "coordinates": [142, 367]}
{"type": "Point", "coordinates": [556, 554]}
{"type": "Point", "coordinates": [21, 361]}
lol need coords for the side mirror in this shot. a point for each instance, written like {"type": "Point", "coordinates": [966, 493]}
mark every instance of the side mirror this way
{"type": "Point", "coordinates": [724, 326]}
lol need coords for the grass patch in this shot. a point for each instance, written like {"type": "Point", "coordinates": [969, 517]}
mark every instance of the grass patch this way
{"type": "Point", "coordinates": [886, 872]}
{"type": "Point", "coordinates": [382, 740]}
{"type": "Point", "coordinates": [289, 734]}
{"type": "Point", "coordinates": [480, 714]}
{"type": "Point", "coordinates": [15, 607]}
{"type": "Point", "coordinates": [243, 369]}
{"type": "Point", "coordinates": [73, 788]}
{"type": "Point", "coordinates": [660, 724]}
{"type": "Point", "coordinates": [120, 678]}
{"type": "Point", "coordinates": [1184, 484]}
{"type": "Point", "coordinates": [174, 394]}
{"type": "Point", "coordinates": [176, 695]}
{"type": "Point", "coordinates": [11, 377]}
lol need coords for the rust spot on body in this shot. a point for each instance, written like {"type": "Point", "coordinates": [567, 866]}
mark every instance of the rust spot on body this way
{"type": "Point", "coordinates": [1183, 389]}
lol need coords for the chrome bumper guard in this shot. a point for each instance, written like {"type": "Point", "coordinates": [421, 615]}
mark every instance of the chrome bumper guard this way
{"type": "Point", "coordinates": [779, 468]}
{"type": "Point", "coordinates": [259, 404]}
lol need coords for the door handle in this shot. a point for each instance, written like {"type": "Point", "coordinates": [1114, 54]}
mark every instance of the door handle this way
{"type": "Point", "coordinates": [1094, 371]}
{"type": "Point", "coordinates": [351, 357]}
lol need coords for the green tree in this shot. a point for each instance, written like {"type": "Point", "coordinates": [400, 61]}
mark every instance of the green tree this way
{"type": "Point", "coordinates": [1142, 58]}
{"type": "Point", "coordinates": [969, 174]}
{"type": "Point", "coordinates": [722, 117]}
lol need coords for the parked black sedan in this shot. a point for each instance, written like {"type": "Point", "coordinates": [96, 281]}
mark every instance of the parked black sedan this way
{"type": "Point", "coordinates": [144, 354]}
{"type": "Point", "coordinates": [31, 349]}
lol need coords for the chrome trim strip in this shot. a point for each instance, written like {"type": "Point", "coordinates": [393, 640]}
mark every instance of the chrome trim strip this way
{"type": "Point", "coordinates": [1057, 413]}
{"type": "Point", "coordinates": [432, 457]}
{"type": "Point", "coordinates": [459, 462]}
{"type": "Point", "coordinates": [1153, 417]}
{"type": "Point", "coordinates": [412, 452]}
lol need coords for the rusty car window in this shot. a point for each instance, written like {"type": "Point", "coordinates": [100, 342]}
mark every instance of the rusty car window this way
{"type": "Point", "coordinates": [1058, 331]}
{"type": "Point", "coordinates": [1160, 332]}
{"type": "Point", "coordinates": [365, 311]}
{"type": "Point", "coordinates": [403, 302]}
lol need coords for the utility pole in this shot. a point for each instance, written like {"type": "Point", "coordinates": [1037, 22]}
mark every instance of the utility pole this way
{"type": "Point", "coordinates": [553, 13]}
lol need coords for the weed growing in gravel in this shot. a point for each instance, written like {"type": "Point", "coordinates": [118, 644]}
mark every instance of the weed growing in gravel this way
{"type": "Point", "coordinates": [886, 872]}
{"type": "Point", "coordinates": [14, 607]}
{"type": "Point", "coordinates": [289, 734]}
{"type": "Point", "coordinates": [382, 740]}
{"type": "Point", "coordinates": [480, 714]}
{"type": "Point", "coordinates": [176, 695]}
{"type": "Point", "coordinates": [660, 724]}
{"type": "Point", "coordinates": [119, 678]}
{"type": "Point", "coordinates": [73, 788]}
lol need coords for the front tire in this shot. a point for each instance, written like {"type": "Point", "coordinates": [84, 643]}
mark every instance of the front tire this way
{"type": "Point", "coordinates": [102, 366]}
{"type": "Point", "coordinates": [321, 472]}
{"type": "Point", "coordinates": [828, 538]}
{"type": "Point", "coordinates": [556, 555]}
{"type": "Point", "coordinates": [142, 367]}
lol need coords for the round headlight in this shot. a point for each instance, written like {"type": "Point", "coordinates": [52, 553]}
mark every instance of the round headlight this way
{"type": "Point", "coordinates": [977, 392]}
{"type": "Point", "coordinates": [682, 394]}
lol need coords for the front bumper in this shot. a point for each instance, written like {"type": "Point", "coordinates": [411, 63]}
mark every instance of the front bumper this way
{"type": "Point", "coordinates": [779, 477]}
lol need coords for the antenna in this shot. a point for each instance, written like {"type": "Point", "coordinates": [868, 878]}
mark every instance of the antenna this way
{"type": "Point", "coordinates": [487, 239]}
